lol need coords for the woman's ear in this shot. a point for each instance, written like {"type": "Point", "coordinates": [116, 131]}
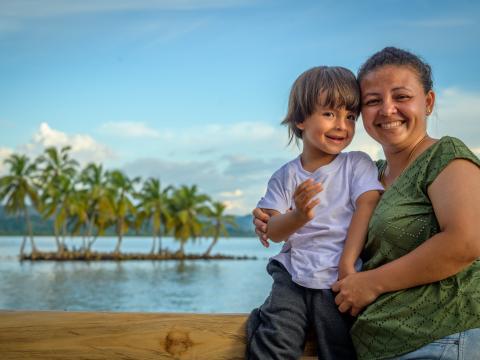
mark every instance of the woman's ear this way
{"type": "Point", "coordinates": [430, 101]}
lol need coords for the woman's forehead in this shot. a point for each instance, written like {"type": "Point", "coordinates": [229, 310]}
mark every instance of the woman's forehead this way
{"type": "Point", "coordinates": [390, 76]}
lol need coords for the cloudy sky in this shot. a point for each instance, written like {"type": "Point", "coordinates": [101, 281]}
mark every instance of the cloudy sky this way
{"type": "Point", "coordinates": [193, 92]}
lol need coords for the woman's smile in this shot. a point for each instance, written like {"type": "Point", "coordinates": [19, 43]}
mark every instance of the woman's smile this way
{"type": "Point", "coordinates": [387, 125]}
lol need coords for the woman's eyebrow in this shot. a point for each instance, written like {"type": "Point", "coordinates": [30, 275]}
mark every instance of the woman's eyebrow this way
{"type": "Point", "coordinates": [401, 88]}
{"type": "Point", "coordinates": [370, 93]}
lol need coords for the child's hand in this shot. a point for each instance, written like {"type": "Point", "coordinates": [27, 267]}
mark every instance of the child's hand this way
{"type": "Point", "coordinates": [303, 195]}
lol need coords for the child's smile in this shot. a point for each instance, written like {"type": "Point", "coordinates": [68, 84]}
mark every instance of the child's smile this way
{"type": "Point", "coordinates": [328, 130]}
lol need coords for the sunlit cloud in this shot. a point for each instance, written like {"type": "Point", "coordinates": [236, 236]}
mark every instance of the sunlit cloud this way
{"type": "Point", "coordinates": [84, 148]}
{"type": "Point", "coordinates": [232, 194]}
{"type": "Point", "coordinates": [4, 154]}
{"type": "Point", "coordinates": [130, 129]}
{"type": "Point", "coordinates": [248, 138]}
{"type": "Point", "coordinates": [239, 184]}
{"type": "Point", "coordinates": [457, 113]}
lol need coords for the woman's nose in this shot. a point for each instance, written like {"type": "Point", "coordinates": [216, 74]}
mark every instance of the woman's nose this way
{"type": "Point", "coordinates": [388, 108]}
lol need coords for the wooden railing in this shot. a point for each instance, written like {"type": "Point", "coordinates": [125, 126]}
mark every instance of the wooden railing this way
{"type": "Point", "coordinates": [95, 335]}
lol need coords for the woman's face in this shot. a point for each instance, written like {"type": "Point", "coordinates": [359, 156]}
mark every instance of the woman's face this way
{"type": "Point", "coordinates": [395, 106]}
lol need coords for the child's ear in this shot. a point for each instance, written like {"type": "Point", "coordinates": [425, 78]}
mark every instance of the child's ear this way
{"type": "Point", "coordinates": [300, 126]}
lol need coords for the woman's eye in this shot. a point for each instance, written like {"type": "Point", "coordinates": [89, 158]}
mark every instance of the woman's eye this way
{"type": "Point", "coordinates": [403, 97]}
{"type": "Point", "coordinates": [371, 102]}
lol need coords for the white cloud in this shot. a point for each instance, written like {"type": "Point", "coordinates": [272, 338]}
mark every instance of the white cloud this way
{"type": "Point", "coordinates": [4, 154]}
{"type": "Point", "coordinates": [363, 142]}
{"type": "Point", "coordinates": [251, 139]}
{"type": "Point", "coordinates": [232, 194]}
{"type": "Point", "coordinates": [457, 114]}
{"type": "Point", "coordinates": [84, 148]}
{"type": "Point", "coordinates": [238, 184]}
{"type": "Point", "coordinates": [130, 129]}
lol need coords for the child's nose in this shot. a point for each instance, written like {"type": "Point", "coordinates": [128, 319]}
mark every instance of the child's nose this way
{"type": "Point", "coordinates": [341, 122]}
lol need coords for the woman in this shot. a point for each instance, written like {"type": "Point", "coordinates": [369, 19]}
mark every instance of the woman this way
{"type": "Point", "coordinates": [419, 293]}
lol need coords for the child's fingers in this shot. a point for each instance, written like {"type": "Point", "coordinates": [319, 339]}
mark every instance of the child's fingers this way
{"type": "Point", "coordinates": [301, 188]}
{"type": "Point", "coordinates": [312, 204]}
{"type": "Point", "coordinates": [310, 192]}
{"type": "Point", "coordinates": [307, 193]}
{"type": "Point", "coordinates": [307, 186]}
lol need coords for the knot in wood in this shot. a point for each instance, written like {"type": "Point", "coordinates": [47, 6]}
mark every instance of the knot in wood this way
{"type": "Point", "coordinates": [177, 342]}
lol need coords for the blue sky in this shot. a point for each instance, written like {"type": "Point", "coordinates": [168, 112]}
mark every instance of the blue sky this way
{"type": "Point", "coordinates": [193, 92]}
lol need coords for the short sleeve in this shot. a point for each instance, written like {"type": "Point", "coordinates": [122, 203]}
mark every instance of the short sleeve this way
{"type": "Point", "coordinates": [364, 176]}
{"type": "Point", "coordinates": [276, 197]}
{"type": "Point", "coordinates": [448, 149]}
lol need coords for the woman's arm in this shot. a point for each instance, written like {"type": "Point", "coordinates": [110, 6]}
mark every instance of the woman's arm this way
{"type": "Point", "coordinates": [455, 196]}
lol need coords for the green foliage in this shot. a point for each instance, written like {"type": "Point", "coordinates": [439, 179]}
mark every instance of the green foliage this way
{"type": "Point", "coordinates": [91, 202]}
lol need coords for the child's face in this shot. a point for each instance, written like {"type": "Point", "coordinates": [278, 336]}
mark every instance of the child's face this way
{"type": "Point", "coordinates": [328, 130]}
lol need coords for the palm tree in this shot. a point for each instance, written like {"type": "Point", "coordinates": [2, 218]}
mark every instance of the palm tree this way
{"type": "Point", "coordinates": [121, 189]}
{"type": "Point", "coordinates": [187, 206]}
{"type": "Point", "coordinates": [153, 206]}
{"type": "Point", "coordinates": [18, 188]}
{"type": "Point", "coordinates": [218, 222]}
{"type": "Point", "coordinates": [57, 176]}
{"type": "Point", "coordinates": [99, 210]}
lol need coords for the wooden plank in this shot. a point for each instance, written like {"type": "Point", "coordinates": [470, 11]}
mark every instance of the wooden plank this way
{"type": "Point", "coordinates": [94, 335]}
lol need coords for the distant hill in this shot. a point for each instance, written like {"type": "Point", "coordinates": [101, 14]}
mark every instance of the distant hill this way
{"type": "Point", "coordinates": [12, 225]}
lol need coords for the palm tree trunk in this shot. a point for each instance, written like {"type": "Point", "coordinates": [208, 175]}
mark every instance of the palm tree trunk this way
{"type": "Point", "coordinates": [181, 251]}
{"type": "Point", "coordinates": [64, 234]}
{"type": "Point", "coordinates": [120, 235]}
{"type": "Point", "coordinates": [57, 240]}
{"type": "Point", "coordinates": [160, 249]}
{"type": "Point", "coordinates": [90, 238]}
{"type": "Point", "coordinates": [152, 251]}
{"type": "Point", "coordinates": [30, 232]}
{"type": "Point", "coordinates": [22, 246]}
{"type": "Point", "coordinates": [212, 244]}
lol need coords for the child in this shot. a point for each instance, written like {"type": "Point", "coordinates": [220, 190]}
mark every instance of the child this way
{"type": "Point", "coordinates": [313, 202]}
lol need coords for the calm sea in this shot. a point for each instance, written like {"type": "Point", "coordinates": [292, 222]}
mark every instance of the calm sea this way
{"type": "Point", "coordinates": [220, 286]}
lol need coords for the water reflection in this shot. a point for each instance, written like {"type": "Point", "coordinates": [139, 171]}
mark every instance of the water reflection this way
{"type": "Point", "coordinates": [159, 286]}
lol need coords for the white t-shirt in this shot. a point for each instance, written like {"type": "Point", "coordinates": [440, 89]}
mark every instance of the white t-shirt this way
{"type": "Point", "coordinates": [311, 255]}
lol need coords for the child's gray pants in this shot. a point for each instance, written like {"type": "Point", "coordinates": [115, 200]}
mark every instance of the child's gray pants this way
{"type": "Point", "coordinates": [277, 330]}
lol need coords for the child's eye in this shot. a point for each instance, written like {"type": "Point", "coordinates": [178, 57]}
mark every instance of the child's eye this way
{"type": "Point", "coordinates": [352, 117]}
{"type": "Point", "coordinates": [328, 114]}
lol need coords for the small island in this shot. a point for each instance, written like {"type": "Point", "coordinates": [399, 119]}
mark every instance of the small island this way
{"type": "Point", "coordinates": [91, 202]}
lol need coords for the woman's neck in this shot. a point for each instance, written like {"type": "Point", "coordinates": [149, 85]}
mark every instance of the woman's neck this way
{"type": "Point", "coordinates": [398, 159]}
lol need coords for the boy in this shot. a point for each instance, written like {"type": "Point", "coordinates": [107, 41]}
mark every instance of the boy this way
{"type": "Point", "coordinates": [319, 204]}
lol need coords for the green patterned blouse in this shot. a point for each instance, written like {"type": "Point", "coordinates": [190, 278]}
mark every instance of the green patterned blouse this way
{"type": "Point", "coordinates": [402, 321]}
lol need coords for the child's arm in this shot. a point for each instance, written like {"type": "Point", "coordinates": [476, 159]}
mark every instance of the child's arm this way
{"type": "Point", "coordinates": [281, 226]}
{"type": "Point", "coordinates": [357, 232]}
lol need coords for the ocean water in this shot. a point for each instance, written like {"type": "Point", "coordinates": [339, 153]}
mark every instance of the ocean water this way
{"type": "Point", "coordinates": [213, 286]}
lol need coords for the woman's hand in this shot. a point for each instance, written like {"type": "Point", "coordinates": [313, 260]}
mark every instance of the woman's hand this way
{"type": "Point", "coordinates": [260, 219]}
{"type": "Point", "coordinates": [355, 292]}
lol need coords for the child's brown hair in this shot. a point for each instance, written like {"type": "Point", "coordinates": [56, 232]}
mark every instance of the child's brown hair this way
{"type": "Point", "coordinates": [329, 86]}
